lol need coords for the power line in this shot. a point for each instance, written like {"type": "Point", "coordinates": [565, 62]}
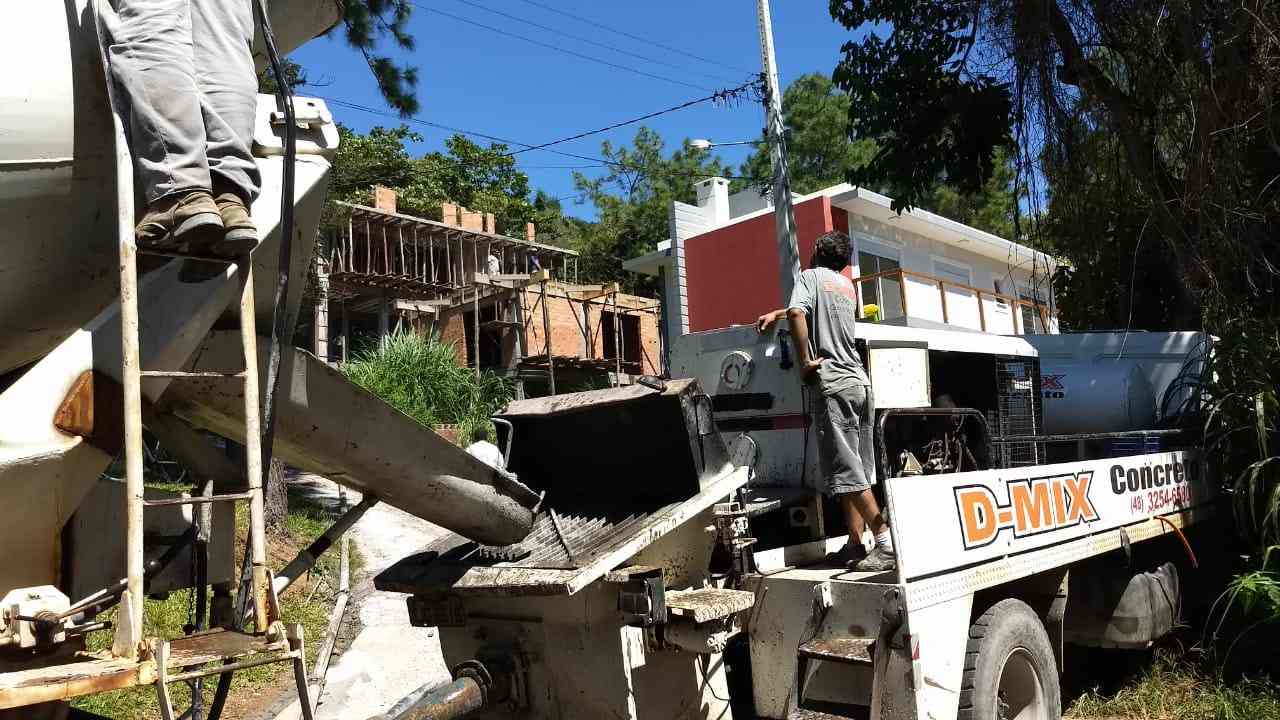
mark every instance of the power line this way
{"type": "Point", "coordinates": [597, 161]}
{"type": "Point", "coordinates": [638, 38]}
{"type": "Point", "coordinates": [587, 40]}
{"type": "Point", "coordinates": [724, 96]}
{"type": "Point", "coordinates": [557, 48]}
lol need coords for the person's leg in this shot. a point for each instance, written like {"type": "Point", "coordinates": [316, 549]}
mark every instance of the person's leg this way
{"type": "Point", "coordinates": [865, 503]}
{"type": "Point", "coordinates": [151, 61]}
{"type": "Point", "coordinates": [882, 556]}
{"type": "Point", "coordinates": [224, 71]}
{"type": "Point", "coordinates": [853, 517]}
{"type": "Point", "coordinates": [826, 427]}
{"type": "Point", "coordinates": [846, 478]}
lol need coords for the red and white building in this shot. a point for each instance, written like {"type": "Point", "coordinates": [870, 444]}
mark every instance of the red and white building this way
{"type": "Point", "coordinates": [719, 267]}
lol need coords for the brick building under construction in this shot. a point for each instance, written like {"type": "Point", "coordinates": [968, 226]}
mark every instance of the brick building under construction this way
{"type": "Point", "coordinates": [507, 304]}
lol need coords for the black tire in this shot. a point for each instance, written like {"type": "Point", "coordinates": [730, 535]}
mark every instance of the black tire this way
{"type": "Point", "coordinates": [1009, 668]}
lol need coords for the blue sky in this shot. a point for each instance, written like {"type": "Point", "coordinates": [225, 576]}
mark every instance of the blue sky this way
{"type": "Point", "coordinates": [477, 79]}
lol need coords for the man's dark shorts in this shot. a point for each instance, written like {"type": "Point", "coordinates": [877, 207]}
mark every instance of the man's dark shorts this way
{"type": "Point", "coordinates": [845, 453]}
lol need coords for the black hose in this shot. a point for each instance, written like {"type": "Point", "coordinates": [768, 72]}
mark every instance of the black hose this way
{"type": "Point", "coordinates": [279, 313]}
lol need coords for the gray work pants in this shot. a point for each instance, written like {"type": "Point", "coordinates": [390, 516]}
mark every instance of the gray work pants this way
{"type": "Point", "coordinates": [186, 69]}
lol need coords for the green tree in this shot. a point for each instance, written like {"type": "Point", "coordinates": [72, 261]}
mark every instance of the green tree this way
{"type": "Point", "coordinates": [481, 178]}
{"type": "Point", "coordinates": [1163, 115]}
{"type": "Point", "coordinates": [819, 150]}
{"type": "Point", "coordinates": [366, 24]}
{"type": "Point", "coordinates": [633, 201]}
{"type": "Point", "coordinates": [992, 208]}
{"type": "Point", "coordinates": [822, 153]}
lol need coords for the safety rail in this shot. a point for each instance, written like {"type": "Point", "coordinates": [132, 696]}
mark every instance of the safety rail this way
{"type": "Point", "coordinates": [930, 298]}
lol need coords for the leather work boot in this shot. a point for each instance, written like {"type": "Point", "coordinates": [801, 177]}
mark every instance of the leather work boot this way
{"type": "Point", "coordinates": [180, 221]}
{"type": "Point", "coordinates": [241, 235]}
{"type": "Point", "coordinates": [238, 239]}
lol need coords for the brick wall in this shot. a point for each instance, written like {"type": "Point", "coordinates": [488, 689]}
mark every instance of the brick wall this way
{"type": "Point", "coordinates": [566, 333]}
{"type": "Point", "coordinates": [449, 324]}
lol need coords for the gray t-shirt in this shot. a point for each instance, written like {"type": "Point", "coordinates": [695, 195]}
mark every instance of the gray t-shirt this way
{"type": "Point", "coordinates": [830, 304]}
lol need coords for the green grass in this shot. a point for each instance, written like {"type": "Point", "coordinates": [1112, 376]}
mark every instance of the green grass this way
{"type": "Point", "coordinates": [165, 618]}
{"type": "Point", "coordinates": [420, 377]}
{"type": "Point", "coordinates": [1174, 688]}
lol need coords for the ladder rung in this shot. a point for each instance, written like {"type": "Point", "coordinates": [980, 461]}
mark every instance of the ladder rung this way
{"type": "Point", "coordinates": [198, 499]}
{"type": "Point", "coordinates": [188, 256]}
{"type": "Point", "coordinates": [185, 374]}
{"type": "Point", "coordinates": [231, 667]}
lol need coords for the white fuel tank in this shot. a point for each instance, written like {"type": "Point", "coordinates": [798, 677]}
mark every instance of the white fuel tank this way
{"type": "Point", "coordinates": [1116, 381]}
{"type": "Point", "coordinates": [1096, 397]}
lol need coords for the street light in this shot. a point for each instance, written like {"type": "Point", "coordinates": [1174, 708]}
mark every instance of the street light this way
{"type": "Point", "coordinates": [704, 144]}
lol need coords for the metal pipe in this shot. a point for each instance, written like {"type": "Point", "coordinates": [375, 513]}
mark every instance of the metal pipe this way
{"type": "Point", "coordinates": [457, 699]}
{"type": "Point", "coordinates": [1121, 435]}
{"type": "Point", "coordinates": [253, 449]}
{"type": "Point", "coordinates": [307, 558]}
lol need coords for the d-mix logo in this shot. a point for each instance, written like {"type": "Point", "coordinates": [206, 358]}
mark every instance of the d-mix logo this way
{"type": "Point", "coordinates": [1033, 506]}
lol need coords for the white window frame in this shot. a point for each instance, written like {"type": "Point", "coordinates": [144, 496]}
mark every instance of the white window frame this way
{"type": "Point", "coordinates": [1032, 294]}
{"type": "Point", "coordinates": [956, 264]}
{"type": "Point", "coordinates": [880, 247]}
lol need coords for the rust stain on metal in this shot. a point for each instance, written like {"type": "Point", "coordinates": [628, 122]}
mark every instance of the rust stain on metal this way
{"type": "Point", "coordinates": [458, 699]}
{"type": "Point", "coordinates": [218, 645]}
{"type": "Point", "coordinates": [75, 414]}
{"type": "Point", "coordinates": [94, 410]}
{"type": "Point", "coordinates": [86, 675]}
{"type": "Point", "coordinates": [845, 650]}
{"type": "Point", "coordinates": [709, 603]}
{"type": "Point", "coordinates": [803, 714]}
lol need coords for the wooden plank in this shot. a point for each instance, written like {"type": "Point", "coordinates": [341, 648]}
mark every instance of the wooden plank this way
{"type": "Point", "coordinates": [611, 288]}
{"type": "Point", "coordinates": [416, 306]}
{"type": "Point", "coordinates": [86, 675]}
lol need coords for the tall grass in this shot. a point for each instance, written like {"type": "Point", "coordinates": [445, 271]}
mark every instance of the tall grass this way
{"type": "Point", "coordinates": [1172, 688]}
{"type": "Point", "coordinates": [420, 376]}
{"type": "Point", "coordinates": [1241, 440]}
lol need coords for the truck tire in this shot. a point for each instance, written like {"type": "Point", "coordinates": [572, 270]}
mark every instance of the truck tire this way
{"type": "Point", "coordinates": [1009, 668]}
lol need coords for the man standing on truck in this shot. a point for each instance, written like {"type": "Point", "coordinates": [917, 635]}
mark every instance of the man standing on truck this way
{"type": "Point", "coordinates": [822, 311]}
{"type": "Point", "coordinates": [186, 69]}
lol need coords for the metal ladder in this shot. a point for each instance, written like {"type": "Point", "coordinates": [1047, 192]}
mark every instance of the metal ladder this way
{"type": "Point", "coordinates": [189, 658]}
{"type": "Point", "coordinates": [270, 640]}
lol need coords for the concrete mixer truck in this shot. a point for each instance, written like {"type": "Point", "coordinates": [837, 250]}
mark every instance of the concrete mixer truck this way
{"type": "Point", "coordinates": [98, 340]}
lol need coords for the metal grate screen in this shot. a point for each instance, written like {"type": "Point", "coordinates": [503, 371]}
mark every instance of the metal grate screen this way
{"type": "Point", "coordinates": [1018, 409]}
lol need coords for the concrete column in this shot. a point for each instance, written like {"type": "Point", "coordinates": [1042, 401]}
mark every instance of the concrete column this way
{"type": "Point", "coordinates": [346, 333]}
{"type": "Point", "coordinates": [384, 317]}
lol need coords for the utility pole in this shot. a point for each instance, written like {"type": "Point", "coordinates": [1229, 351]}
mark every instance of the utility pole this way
{"type": "Point", "coordinates": [784, 215]}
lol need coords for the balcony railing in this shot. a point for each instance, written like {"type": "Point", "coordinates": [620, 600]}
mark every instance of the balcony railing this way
{"type": "Point", "coordinates": [903, 294]}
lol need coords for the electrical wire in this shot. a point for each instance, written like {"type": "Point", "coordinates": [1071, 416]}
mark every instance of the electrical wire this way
{"type": "Point", "coordinates": [280, 316]}
{"type": "Point", "coordinates": [719, 96]}
{"type": "Point", "coordinates": [624, 33]}
{"type": "Point", "coordinates": [602, 162]}
{"type": "Point", "coordinates": [557, 48]}
{"type": "Point", "coordinates": [589, 41]}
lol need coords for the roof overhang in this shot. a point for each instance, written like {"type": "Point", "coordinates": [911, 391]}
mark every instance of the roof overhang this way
{"type": "Point", "coordinates": [863, 202]}
{"type": "Point", "coordinates": [650, 263]}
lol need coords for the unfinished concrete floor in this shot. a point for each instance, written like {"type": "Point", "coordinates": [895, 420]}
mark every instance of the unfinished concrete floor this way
{"type": "Point", "coordinates": [387, 658]}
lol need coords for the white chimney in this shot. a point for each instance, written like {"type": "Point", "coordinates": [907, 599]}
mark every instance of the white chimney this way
{"type": "Point", "coordinates": [713, 199]}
